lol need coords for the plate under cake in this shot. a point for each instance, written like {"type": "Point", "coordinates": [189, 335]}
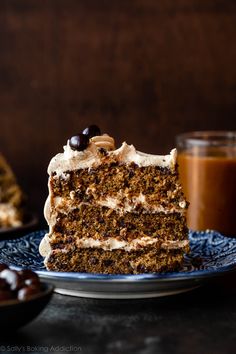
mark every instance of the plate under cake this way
{"type": "Point", "coordinates": [211, 255]}
{"type": "Point", "coordinates": [113, 211]}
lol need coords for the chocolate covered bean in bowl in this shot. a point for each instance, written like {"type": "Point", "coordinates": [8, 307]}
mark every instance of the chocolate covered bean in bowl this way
{"type": "Point", "coordinates": [22, 296]}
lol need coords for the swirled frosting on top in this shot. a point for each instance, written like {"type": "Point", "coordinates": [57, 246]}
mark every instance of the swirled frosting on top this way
{"type": "Point", "coordinates": [91, 157]}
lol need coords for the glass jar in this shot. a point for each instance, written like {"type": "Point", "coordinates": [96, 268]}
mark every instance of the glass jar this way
{"type": "Point", "coordinates": [207, 167]}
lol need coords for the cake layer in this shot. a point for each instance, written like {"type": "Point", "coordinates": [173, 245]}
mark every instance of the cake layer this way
{"type": "Point", "coordinates": [100, 223]}
{"type": "Point", "coordinates": [156, 185]}
{"type": "Point", "coordinates": [118, 261]}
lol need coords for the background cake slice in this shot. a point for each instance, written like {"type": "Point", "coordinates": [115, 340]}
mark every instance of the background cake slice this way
{"type": "Point", "coordinates": [11, 197]}
{"type": "Point", "coordinates": [113, 210]}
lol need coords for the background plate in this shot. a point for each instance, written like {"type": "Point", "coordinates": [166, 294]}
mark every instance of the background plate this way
{"type": "Point", "coordinates": [211, 255]}
{"type": "Point", "coordinates": [30, 222]}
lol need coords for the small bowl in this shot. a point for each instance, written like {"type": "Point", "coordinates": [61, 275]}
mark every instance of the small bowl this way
{"type": "Point", "coordinates": [15, 313]}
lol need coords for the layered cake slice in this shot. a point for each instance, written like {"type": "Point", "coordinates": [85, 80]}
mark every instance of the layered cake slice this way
{"type": "Point", "coordinates": [113, 211]}
{"type": "Point", "coordinates": [11, 197]}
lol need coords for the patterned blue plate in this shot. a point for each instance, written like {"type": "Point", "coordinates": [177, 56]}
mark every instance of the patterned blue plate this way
{"type": "Point", "coordinates": [211, 255]}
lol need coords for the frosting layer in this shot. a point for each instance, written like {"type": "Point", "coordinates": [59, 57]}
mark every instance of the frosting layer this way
{"type": "Point", "coordinates": [114, 244]}
{"type": "Point", "coordinates": [73, 160]}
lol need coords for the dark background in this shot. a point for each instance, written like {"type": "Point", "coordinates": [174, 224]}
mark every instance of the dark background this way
{"type": "Point", "coordinates": [144, 70]}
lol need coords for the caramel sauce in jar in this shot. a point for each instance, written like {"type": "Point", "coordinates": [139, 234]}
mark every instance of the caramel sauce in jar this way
{"type": "Point", "coordinates": [207, 167]}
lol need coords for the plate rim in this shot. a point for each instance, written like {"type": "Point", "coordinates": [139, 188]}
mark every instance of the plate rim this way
{"type": "Point", "coordinates": [131, 278]}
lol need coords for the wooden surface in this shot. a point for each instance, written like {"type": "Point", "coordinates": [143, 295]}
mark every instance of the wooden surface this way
{"type": "Point", "coordinates": [144, 70]}
{"type": "Point", "coordinates": [197, 322]}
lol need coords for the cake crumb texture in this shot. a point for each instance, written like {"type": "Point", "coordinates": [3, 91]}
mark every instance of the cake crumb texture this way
{"type": "Point", "coordinates": [116, 261]}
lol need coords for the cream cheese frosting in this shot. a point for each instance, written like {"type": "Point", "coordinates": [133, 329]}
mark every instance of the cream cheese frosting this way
{"type": "Point", "coordinates": [73, 160]}
{"type": "Point", "coordinates": [113, 244]}
{"type": "Point", "coordinates": [116, 203]}
{"type": "Point", "coordinates": [130, 205]}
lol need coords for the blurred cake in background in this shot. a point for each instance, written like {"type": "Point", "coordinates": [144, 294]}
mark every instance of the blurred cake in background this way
{"type": "Point", "coordinates": [11, 197]}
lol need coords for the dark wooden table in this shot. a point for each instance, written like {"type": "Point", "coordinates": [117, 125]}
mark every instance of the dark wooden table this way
{"type": "Point", "coordinates": [201, 321]}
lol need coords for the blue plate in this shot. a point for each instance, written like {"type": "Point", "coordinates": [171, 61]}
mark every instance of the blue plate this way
{"type": "Point", "coordinates": [211, 255]}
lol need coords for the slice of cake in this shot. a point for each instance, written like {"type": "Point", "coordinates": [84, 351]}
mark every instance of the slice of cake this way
{"type": "Point", "coordinates": [113, 210]}
{"type": "Point", "coordinates": [11, 197]}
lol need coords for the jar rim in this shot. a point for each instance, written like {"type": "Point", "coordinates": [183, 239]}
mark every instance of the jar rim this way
{"type": "Point", "coordinates": [207, 138]}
